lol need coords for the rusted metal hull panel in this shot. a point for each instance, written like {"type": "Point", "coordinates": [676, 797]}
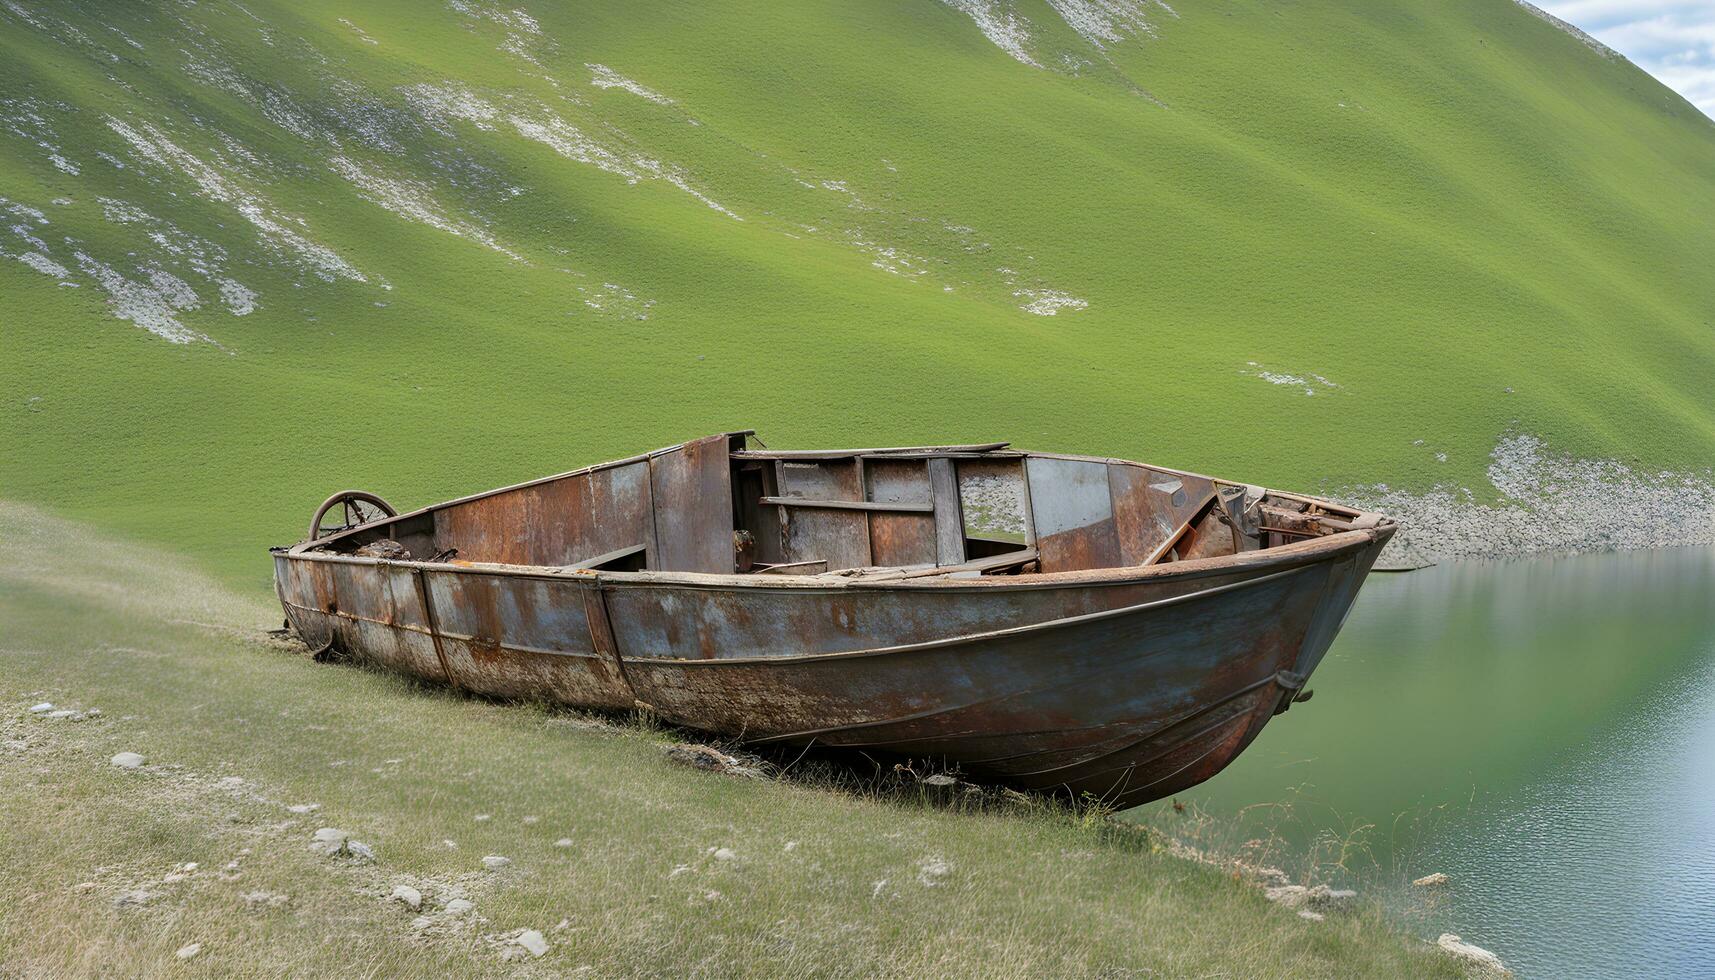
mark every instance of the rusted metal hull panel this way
{"type": "Point", "coordinates": [692, 490]}
{"type": "Point", "coordinates": [1123, 707]}
{"type": "Point", "coordinates": [1074, 511]}
{"type": "Point", "coordinates": [524, 637]}
{"type": "Point", "coordinates": [621, 511]}
{"type": "Point", "coordinates": [1150, 504]}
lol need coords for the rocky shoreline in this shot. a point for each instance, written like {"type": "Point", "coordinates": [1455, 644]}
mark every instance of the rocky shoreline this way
{"type": "Point", "coordinates": [1549, 504]}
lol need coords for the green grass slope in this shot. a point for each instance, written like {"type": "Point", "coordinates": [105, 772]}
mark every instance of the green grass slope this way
{"type": "Point", "coordinates": [613, 851]}
{"type": "Point", "coordinates": [473, 243]}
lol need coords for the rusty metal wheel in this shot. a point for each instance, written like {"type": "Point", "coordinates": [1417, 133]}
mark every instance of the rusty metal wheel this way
{"type": "Point", "coordinates": [356, 507]}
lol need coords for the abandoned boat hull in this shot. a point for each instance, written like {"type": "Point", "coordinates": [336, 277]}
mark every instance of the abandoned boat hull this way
{"type": "Point", "coordinates": [1123, 684]}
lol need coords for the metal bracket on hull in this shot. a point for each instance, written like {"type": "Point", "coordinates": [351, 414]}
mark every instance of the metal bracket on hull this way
{"type": "Point", "coordinates": [601, 635]}
{"type": "Point", "coordinates": [434, 625]}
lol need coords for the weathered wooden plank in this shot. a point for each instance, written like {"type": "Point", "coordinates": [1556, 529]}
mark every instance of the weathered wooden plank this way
{"type": "Point", "coordinates": [839, 537]}
{"type": "Point", "coordinates": [901, 538]}
{"type": "Point", "coordinates": [949, 524]}
{"type": "Point", "coordinates": [848, 505]}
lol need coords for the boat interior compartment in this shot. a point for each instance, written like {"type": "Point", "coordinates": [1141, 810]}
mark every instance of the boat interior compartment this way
{"type": "Point", "coordinates": [726, 504]}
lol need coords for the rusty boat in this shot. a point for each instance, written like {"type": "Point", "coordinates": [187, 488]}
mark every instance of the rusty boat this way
{"type": "Point", "coordinates": [1077, 625]}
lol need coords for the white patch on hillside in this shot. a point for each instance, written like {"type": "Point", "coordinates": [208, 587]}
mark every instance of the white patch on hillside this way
{"type": "Point", "coordinates": [149, 143]}
{"type": "Point", "coordinates": [523, 35]}
{"type": "Point", "coordinates": [601, 76]}
{"type": "Point", "coordinates": [615, 300]}
{"type": "Point", "coordinates": [541, 124]}
{"type": "Point", "coordinates": [46, 266]}
{"type": "Point", "coordinates": [153, 305]}
{"type": "Point", "coordinates": [1048, 302]}
{"type": "Point", "coordinates": [154, 299]}
{"type": "Point", "coordinates": [1572, 29]}
{"type": "Point", "coordinates": [412, 200]}
{"type": "Point", "coordinates": [18, 10]}
{"type": "Point", "coordinates": [276, 105]}
{"type": "Point", "coordinates": [1104, 22]}
{"type": "Point", "coordinates": [365, 38]}
{"type": "Point", "coordinates": [1309, 384]}
{"type": "Point", "coordinates": [24, 211]}
{"type": "Point", "coordinates": [1000, 24]}
{"type": "Point", "coordinates": [23, 118]}
{"type": "Point", "coordinates": [1099, 22]}
{"type": "Point", "coordinates": [239, 298]}
{"type": "Point", "coordinates": [894, 260]}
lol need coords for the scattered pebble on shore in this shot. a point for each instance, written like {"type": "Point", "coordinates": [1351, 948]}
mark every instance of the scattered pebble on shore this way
{"type": "Point", "coordinates": [1435, 880]}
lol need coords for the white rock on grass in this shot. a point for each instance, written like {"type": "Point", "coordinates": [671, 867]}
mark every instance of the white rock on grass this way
{"type": "Point", "coordinates": [563, 842]}
{"type": "Point", "coordinates": [459, 906]}
{"type": "Point", "coordinates": [532, 941]}
{"type": "Point", "coordinates": [408, 895]}
{"type": "Point", "coordinates": [495, 862]}
{"type": "Point", "coordinates": [725, 854]}
{"type": "Point", "coordinates": [328, 841]}
{"type": "Point", "coordinates": [1475, 955]}
{"type": "Point", "coordinates": [61, 713]}
{"type": "Point", "coordinates": [188, 950]}
{"type": "Point", "coordinates": [127, 760]}
{"type": "Point", "coordinates": [303, 808]}
{"type": "Point", "coordinates": [37, 709]}
{"type": "Point", "coordinates": [333, 842]}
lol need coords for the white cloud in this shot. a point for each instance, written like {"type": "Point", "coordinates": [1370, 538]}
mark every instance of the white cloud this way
{"type": "Point", "coordinates": [1674, 40]}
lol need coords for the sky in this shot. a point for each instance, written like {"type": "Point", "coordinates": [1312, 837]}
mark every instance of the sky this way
{"type": "Point", "coordinates": [1674, 40]}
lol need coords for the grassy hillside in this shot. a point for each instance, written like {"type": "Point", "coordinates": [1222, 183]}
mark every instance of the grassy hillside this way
{"type": "Point", "coordinates": [628, 866]}
{"type": "Point", "coordinates": [258, 251]}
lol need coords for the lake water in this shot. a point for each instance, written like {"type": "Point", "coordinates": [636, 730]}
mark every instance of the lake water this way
{"type": "Point", "coordinates": [1542, 731]}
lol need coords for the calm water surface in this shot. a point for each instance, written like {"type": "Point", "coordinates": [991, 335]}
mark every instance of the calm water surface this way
{"type": "Point", "coordinates": [1543, 732]}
